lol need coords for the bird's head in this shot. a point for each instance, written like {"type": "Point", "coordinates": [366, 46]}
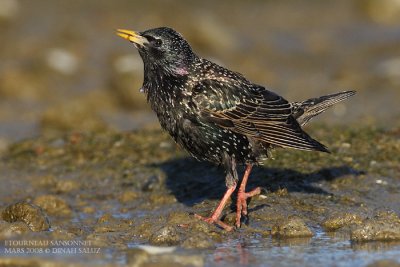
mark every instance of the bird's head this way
{"type": "Point", "coordinates": [162, 49]}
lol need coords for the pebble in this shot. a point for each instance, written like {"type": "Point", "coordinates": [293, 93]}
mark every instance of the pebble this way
{"type": "Point", "coordinates": [337, 221]}
{"type": "Point", "coordinates": [291, 227]}
{"type": "Point", "coordinates": [198, 241]}
{"type": "Point", "coordinates": [53, 205]}
{"type": "Point", "coordinates": [382, 227]}
{"type": "Point", "coordinates": [32, 215]}
{"type": "Point", "coordinates": [167, 235]}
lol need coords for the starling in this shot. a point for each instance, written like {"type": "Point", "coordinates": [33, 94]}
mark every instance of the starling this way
{"type": "Point", "coordinates": [218, 115]}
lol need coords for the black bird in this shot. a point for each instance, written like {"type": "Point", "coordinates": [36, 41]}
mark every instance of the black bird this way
{"type": "Point", "coordinates": [217, 114]}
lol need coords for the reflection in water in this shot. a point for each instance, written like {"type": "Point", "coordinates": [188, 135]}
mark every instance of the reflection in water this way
{"type": "Point", "coordinates": [375, 246]}
{"type": "Point", "coordinates": [257, 251]}
{"type": "Point", "coordinates": [234, 252]}
{"type": "Point", "coordinates": [290, 242]}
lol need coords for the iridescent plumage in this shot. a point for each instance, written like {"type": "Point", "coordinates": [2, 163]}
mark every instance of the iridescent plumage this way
{"type": "Point", "coordinates": [217, 114]}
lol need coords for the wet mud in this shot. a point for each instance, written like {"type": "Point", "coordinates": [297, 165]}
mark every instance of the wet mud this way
{"type": "Point", "coordinates": [132, 196]}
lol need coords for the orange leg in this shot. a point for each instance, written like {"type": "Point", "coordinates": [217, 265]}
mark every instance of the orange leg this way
{"type": "Point", "coordinates": [217, 213]}
{"type": "Point", "coordinates": [242, 196]}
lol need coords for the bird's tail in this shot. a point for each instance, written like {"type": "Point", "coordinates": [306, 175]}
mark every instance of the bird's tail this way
{"type": "Point", "coordinates": [306, 110]}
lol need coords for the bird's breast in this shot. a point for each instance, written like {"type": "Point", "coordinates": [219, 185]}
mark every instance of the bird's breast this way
{"type": "Point", "coordinates": [167, 102]}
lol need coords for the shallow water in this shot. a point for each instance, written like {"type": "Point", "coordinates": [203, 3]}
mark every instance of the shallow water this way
{"type": "Point", "coordinates": [321, 250]}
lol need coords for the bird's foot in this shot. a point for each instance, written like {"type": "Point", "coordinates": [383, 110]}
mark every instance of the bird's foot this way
{"type": "Point", "coordinates": [214, 220]}
{"type": "Point", "coordinates": [241, 203]}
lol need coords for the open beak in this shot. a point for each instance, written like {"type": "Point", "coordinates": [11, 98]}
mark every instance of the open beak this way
{"type": "Point", "coordinates": [131, 36]}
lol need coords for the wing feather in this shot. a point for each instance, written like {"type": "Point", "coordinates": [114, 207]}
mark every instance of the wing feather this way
{"type": "Point", "coordinates": [255, 112]}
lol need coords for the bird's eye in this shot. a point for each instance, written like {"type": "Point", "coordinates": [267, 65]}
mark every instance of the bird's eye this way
{"type": "Point", "coordinates": [157, 42]}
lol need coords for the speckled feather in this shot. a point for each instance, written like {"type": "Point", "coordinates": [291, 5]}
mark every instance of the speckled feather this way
{"type": "Point", "coordinates": [217, 114]}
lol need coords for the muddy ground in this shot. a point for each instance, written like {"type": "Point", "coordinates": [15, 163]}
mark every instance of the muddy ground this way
{"type": "Point", "coordinates": [118, 191]}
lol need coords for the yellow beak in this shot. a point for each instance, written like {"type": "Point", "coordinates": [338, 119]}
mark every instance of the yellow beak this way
{"type": "Point", "coordinates": [132, 36]}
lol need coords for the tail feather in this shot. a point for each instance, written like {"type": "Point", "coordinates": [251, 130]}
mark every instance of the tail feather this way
{"type": "Point", "coordinates": [304, 111]}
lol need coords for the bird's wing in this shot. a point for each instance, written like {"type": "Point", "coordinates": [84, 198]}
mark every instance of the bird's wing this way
{"type": "Point", "coordinates": [253, 111]}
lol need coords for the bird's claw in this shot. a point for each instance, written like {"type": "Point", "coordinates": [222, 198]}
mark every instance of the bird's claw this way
{"type": "Point", "coordinates": [241, 203]}
{"type": "Point", "coordinates": [213, 220]}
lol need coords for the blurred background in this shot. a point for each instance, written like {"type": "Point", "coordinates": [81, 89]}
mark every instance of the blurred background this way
{"type": "Point", "coordinates": [62, 68]}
